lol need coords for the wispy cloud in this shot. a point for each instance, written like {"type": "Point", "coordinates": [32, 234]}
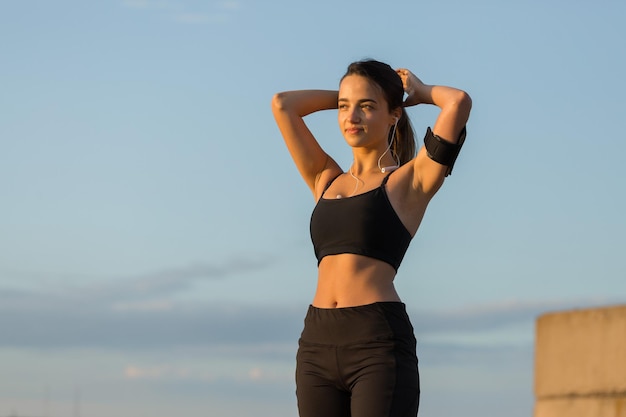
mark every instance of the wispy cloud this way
{"type": "Point", "coordinates": [230, 5]}
{"type": "Point", "coordinates": [131, 311]}
{"type": "Point", "coordinates": [170, 372]}
{"type": "Point", "coordinates": [142, 311]}
{"type": "Point", "coordinates": [170, 280]}
{"type": "Point", "coordinates": [496, 315]}
{"type": "Point", "coordinates": [145, 288]}
{"type": "Point", "coordinates": [255, 373]}
{"type": "Point", "coordinates": [136, 314]}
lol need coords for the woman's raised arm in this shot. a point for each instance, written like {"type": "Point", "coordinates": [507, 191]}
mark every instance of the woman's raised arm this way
{"type": "Point", "coordinates": [289, 109]}
{"type": "Point", "coordinates": [455, 108]}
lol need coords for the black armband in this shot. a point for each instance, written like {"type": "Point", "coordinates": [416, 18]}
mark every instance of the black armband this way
{"type": "Point", "coordinates": [442, 151]}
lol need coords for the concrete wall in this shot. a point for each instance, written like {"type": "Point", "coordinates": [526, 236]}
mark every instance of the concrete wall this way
{"type": "Point", "coordinates": [580, 363]}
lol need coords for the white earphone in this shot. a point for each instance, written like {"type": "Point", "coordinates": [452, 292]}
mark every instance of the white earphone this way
{"type": "Point", "coordinates": [389, 168]}
{"type": "Point", "coordinates": [392, 167]}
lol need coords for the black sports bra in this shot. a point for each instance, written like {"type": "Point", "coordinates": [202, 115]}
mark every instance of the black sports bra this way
{"type": "Point", "coordinates": [364, 224]}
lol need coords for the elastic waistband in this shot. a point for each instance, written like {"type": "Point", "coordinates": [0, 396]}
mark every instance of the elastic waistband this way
{"type": "Point", "coordinates": [376, 306]}
{"type": "Point", "coordinates": [349, 325]}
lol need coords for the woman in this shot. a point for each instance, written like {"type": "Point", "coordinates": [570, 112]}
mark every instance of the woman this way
{"type": "Point", "coordinates": [357, 353]}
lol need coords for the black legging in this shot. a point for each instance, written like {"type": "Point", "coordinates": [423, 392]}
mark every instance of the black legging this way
{"type": "Point", "coordinates": [358, 362]}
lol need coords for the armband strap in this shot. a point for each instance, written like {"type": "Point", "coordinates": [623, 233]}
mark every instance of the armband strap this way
{"type": "Point", "coordinates": [442, 151]}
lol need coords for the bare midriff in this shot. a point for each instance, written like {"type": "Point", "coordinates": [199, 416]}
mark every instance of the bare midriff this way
{"type": "Point", "coordinates": [348, 280]}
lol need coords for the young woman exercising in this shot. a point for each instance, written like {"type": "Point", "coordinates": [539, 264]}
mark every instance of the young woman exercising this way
{"type": "Point", "coordinates": [357, 352]}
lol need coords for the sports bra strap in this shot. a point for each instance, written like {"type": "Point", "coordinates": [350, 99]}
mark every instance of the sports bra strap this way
{"type": "Point", "coordinates": [331, 181]}
{"type": "Point", "coordinates": [328, 184]}
{"type": "Point", "coordinates": [385, 179]}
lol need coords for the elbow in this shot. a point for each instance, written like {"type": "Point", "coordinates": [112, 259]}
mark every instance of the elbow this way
{"type": "Point", "coordinates": [467, 101]}
{"type": "Point", "coordinates": [464, 103]}
{"type": "Point", "coordinates": [461, 104]}
{"type": "Point", "coordinates": [280, 101]}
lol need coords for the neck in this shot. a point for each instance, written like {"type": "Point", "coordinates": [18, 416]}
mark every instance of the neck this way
{"type": "Point", "coordinates": [377, 165]}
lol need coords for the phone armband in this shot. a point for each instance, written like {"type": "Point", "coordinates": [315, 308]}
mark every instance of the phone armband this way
{"type": "Point", "coordinates": [442, 151]}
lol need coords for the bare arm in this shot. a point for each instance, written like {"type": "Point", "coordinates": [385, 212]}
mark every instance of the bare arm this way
{"type": "Point", "coordinates": [455, 108]}
{"type": "Point", "coordinates": [289, 109]}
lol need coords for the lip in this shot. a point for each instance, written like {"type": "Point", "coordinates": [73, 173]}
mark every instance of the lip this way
{"type": "Point", "coordinates": [353, 130]}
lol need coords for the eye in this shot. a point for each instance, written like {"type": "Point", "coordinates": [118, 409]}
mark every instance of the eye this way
{"type": "Point", "coordinates": [342, 106]}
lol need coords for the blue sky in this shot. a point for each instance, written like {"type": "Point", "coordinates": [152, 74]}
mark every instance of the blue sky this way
{"type": "Point", "coordinates": [154, 248]}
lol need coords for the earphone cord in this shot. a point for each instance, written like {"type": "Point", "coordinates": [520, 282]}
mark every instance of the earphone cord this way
{"type": "Point", "coordinates": [393, 138]}
{"type": "Point", "coordinates": [357, 181]}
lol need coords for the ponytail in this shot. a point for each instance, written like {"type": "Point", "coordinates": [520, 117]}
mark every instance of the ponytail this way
{"type": "Point", "coordinates": [403, 144]}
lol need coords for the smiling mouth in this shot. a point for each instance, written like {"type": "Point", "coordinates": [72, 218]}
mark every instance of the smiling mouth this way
{"type": "Point", "coordinates": [354, 130]}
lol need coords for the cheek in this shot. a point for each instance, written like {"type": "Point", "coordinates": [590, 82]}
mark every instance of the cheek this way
{"type": "Point", "coordinates": [379, 124]}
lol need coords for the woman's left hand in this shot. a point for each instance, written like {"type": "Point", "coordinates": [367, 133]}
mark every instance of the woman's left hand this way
{"type": "Point", "coordinates": [413, 86]}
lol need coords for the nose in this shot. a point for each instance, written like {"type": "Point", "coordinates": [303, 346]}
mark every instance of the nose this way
{"type": "Point", "coordinates": [354, 115]}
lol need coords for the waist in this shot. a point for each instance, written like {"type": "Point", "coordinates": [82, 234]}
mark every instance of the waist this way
{"type": "Point", "coordinates": [349, 280]}
{"type": "Point", "coordinates": [348, 325]}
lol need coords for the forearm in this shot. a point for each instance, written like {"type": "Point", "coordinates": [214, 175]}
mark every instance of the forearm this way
{"type": "Point", "coordinates": [304, 102]}
{"type": "Point", "coordinates": [455, 108]}
{"type": "Point", "coordinates": [441, 96]}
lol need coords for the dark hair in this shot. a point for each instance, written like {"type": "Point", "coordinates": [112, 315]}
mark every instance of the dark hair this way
{"type": "Point", "coordinates": [391, 84]}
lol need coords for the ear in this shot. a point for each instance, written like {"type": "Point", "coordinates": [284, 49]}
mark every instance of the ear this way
{"type": "Point", "coordinates": [395, 115]}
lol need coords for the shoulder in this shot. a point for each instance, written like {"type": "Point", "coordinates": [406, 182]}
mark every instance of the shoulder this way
{"type": "Point", "coordinates": [325, 178]}
{"type": "Point", "coordinates": [409, 203]}
{"type": "Point", "coordinates": [400, 182]}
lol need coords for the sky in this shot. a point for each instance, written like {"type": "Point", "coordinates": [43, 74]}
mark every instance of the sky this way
{"type": "Point", "coordinates": [154, 245]}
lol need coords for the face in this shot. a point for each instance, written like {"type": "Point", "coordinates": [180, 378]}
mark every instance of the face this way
{"type": "Point", "coordinates": [364, 116]}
